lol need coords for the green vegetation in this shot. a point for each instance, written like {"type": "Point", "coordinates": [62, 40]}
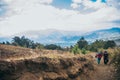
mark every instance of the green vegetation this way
{"type": "Point", "coordinates": [27, 43]}
{"type": "Point", "coordinates": [84, 47]}
{"type": "Point", "coordinates": [24, 42]}
{"type": "Point", "coordinates": [81, 46]}
{"type": "Point", "coordinates": [84, 51]}
{"type": "Point", "coordinates": [98, 44]}
{"type": "Point", "coordinates": [53, 47]}
{"type": "Point", "coordinates": [75, 50]}
{"type": "Point", "coordinates": [110, 44]}
{"type": "Point", "coordinates": [82, 43]}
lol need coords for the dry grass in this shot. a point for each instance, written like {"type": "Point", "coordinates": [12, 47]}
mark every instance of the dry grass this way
{"type": "Point", "coordinates": [16, 53]}
{"type": "Point", "coordinates": [63, 55]}
{"type": "Point", "coordinates": [59, 64]}
{"type": "Point", "coordinates": [113, 51]}
{"type": "Point", "coordinates": [12, 53]}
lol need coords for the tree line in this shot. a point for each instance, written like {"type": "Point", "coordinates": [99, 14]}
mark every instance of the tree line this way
{"type": "Point", "coordinates": [82, 45]}
{"type": "Point", "coordinates": [27, 43]}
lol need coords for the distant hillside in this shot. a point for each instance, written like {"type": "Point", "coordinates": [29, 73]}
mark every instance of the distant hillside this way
{"type": "Point", "coordinates": [5, 39]}
{"type": "Point", "coordinates": [105, 34]}
{"type": "Point", "coordinates": [67, 38]}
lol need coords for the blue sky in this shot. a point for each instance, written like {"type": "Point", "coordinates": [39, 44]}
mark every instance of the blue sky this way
{"type": "Point", "coordinates": [57, 3]}
{"type": "Point", "coordinates": [18, 16]}
{"type": "Point", "coordinates": [2, 8]}
{"type": "Point", "coordinates": [66, 3]}
{"type": "Point", "coordinates": [62, 3]}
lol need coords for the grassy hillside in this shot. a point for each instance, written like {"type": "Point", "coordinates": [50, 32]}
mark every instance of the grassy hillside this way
{"type": "Point", "coordinates": [18, 63]}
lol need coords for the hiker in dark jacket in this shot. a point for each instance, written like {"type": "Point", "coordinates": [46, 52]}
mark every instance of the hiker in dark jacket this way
{"type": "Point", "coordinates": [105, 57]}
{"type": "Point", "coordinates": [99, 56]}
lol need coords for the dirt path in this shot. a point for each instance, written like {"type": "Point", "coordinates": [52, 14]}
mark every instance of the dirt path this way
{"type": "Point", "coordinates": [102, 72]}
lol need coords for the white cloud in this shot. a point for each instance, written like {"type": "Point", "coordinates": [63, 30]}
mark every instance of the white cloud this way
{"type": "Point", "coordinates": [41, 1]}
{"type": "Point", "coordinates": [46, 1]}
{"type": "Point", "coordinates": [74, 5]}
{"type": "Point", "coordinates": [88, 4]}
{"type": "Point", "coordinates": [17, 6]}
{"type": "Point", "coordinates": [33, 15]}
{"type": "Point", "coordinates": [94, 5]}
{"type": "Point", "coordinates": [113, 3]}
{"type": "Point", "coordinates": [76, 1]}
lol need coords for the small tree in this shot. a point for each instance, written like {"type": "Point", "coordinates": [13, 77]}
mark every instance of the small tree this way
{"type": "Point", "coordinates": [23, 42]}
{"type": "Point", "coordinates": [109, 44]}
{"type": "Point", "coordinates": [96, 45]}
{"type": "Point", "coordinates": [83, 51]}
{"type": "Point", "coordinates": [53, 47]}
{"type": "Point", "coordinates": [39, 46]}
{"type": "Point", "coordinates": [16, 41]}
{"type": "Point", "coordinates": [76, 49]}
{"type": "Point", "coordinates": [8, 43]}
{"type": "Point", "coordinates": [82, 43]}
{"type": "Point", "coordinates": [3, 42]}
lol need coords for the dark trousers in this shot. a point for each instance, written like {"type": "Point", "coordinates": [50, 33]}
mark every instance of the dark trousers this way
{"type": "Point", "coordinates": [98, 60]}
{"type": "Point", "coordinates": [105, 61]}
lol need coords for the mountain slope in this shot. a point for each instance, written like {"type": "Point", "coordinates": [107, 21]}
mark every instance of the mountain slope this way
{"type": "Point", "coordinates": [106, 34]}
{"type": "Point", "coordinates": [67, 38]}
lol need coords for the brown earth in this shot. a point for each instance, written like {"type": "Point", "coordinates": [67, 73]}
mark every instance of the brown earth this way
{"type": "Point", "coordinates": [18, 63]}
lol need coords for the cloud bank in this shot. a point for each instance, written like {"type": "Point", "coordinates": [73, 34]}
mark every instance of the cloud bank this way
{"type": "Point", "coordinates": [84, 15]}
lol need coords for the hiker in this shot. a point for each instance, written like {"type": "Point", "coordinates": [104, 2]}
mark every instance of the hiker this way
{"type": "Point", "coordinates": [99, 56]}
{"type": "Point", "coordinates": [105, 57]}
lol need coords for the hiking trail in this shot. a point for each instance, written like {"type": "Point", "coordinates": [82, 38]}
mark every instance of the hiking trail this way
{"type": "Point", "coordinates": [102, 71]}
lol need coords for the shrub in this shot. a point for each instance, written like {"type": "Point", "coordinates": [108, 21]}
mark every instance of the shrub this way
{"type": "Point", "coordinates": [116, 62]}
{"type": "Point", "coordinates": [76, 49]}
{"type": "Point", "coordinates": [109, 44]}
{"type": "Point", "coordinates": [53, 47]}
{"type": "Point", "coordinates": [83, 51]}
{"type": "Point", "coordinates": [82, 43]}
